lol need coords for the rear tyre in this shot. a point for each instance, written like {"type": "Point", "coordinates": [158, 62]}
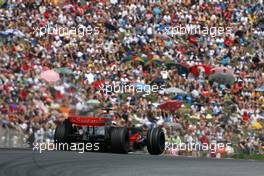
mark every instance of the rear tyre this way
{"type": "Point", "coordinates": [156, 141]}
{"type": "Point", "coordinates": [61, 135]}
{"type": "Point", "coordinates": [119, 140]}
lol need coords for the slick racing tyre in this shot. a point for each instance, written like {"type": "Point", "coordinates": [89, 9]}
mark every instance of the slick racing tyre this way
{"type": "Point", "coordinates": [119, 140]}
{"type": "Point", "coordinates": [156, 141]}
{"type": "Point", "coordinates": [62, 132]}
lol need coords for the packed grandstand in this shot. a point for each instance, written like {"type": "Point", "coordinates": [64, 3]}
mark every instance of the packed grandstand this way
{"type": "Point", "coordinates": [200, 88]}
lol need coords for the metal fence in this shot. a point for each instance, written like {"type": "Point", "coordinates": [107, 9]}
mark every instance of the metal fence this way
{"type": "Point", "coordinates": [11, 138]}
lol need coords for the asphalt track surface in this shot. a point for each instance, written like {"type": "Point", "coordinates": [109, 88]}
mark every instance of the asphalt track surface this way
{"type": "Point", "coordinates": [55, 163]}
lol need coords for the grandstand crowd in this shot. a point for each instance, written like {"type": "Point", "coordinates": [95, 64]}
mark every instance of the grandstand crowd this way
{"type": "Point", "coordinates": [114, 42]}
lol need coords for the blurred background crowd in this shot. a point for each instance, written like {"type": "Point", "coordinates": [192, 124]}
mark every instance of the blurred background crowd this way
{"type": "Point", "coordinates": [213, 85]}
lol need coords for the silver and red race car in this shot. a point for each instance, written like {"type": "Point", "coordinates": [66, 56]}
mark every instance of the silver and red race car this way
{"type": "Point", "coordinates": [90, 127]}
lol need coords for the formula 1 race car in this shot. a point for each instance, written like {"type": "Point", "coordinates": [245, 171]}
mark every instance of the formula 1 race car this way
{"type": "Point", "coordinates": [87, 127]}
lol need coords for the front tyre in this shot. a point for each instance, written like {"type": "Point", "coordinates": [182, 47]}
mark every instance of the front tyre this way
{"type": "Point", "coordinates": [119, 140]}
{"type": "Point", "coordinates": [156, 141]}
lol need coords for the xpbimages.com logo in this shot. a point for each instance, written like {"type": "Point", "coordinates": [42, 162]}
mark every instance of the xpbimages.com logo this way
{"type": "Point", "coordinates": [57, 30]}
